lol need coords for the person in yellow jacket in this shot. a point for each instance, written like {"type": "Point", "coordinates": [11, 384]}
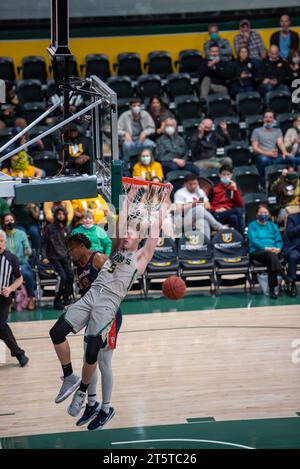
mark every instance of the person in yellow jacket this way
{"type": "Point", "coordinates": [97, 205]}
{"type": "Point", "coordinates": [147, 168]}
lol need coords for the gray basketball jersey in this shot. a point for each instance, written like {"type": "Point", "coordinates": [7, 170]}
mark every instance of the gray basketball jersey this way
{"type": "Point", "coordinates": [117, 274]}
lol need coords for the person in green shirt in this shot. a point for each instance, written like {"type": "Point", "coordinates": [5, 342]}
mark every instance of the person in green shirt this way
{"type": "Point", "coordinates": [97, 236]}
{"type": "Point", "coordinates": [265, 245]}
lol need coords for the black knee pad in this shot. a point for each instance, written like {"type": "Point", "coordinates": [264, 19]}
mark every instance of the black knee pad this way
{"type": "Point", "coordinates": [93, 346]}
{"type": "Point", "coordinates": [59, 331]}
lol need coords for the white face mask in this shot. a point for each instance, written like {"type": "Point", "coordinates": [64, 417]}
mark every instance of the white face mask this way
{"type": "Point", "coordinates": [170, 130]}
{"type": "Point", "coordinates": [88, 224]}
{"type": "Point", "coordinates": [136, 109]}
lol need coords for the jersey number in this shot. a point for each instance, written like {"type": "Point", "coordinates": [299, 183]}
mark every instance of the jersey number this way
{"type": "Point", "coordinates": [112, 268]}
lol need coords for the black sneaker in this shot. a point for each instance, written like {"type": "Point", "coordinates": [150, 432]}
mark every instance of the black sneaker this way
{"type": "Point", "coordinates": [101, 419]}
{"type": "Point", "coordinates": [89, 413]}
{"type": "Point", "coordinates": [23, 360]}
{"type": "Point", "coordinates": [273, 294]}
{"type": "Point", "coordinates": [293, 290]}
{"type": "Point", "coordinates": [57, 304]}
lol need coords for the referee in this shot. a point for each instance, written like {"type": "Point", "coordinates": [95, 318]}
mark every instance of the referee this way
{"type": "Point", "coordinates": [10, 280]}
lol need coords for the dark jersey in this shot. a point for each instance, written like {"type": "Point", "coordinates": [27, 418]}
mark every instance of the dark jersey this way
{"type": "Point", "coordinates": [9, 269]}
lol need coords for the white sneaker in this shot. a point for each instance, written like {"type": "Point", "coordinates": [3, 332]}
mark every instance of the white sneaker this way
{"type": "Point", "coordinates": [77, 403]}
{"type": "Point", "coordinates": [70, 384]}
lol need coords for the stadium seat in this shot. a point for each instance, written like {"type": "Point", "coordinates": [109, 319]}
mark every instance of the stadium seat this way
{"type": "Point", "coordinates": [159, 63]}
{"type": "Point", "coordinates": [253, 122]}
{"type": "Point", "coordinates": [190, 61]}
{"type": "Point", "coordinates": [50, 141]}
{"type": "Point", "coordinates": [248, 103]}
{"type": "Point", "coordinates": [230, 255]}
{"type": "Point", "coordinates": [247, 179]}
{"type": "Point", "coordinates": [219, 105]}
{"type": "Point", "coordinates": [122, 86]}
{"type": "Point", "coordinates": [32, 111]}
{"type": "Point", "coordinates": [205, 184]}
{"type": "Point", "coordinates": [179, 84]}
{"type": "Point", "coordinates": [30, 90]}
{"type": "Point", "coordinates": [189, 127]}
{"type": "Point", "coordinates": [285, 121]}
{"type": "Point", "coordinates": [212, 174]}
{"type": "Point", "coordinates": [5, 135]}
{"type": "Point", "coordinates": [164, 262]}
{"type": "Point", "coordinates": [47, 161]}
{"type": "Point", "coordinates": [34, 67]}
{"type": "Point", "coordinates": [233, 126]}
{"type": "Point", "coordinates": [272, 173]}
{"type": "Point", "coordinates": [7, 69]}
{"type": "Point", "coordinates": [196, 257]}
{"type": "Point", "coordinates": [187, 107]}
{"type": "Point", "coordinates": [128, 63]}
{"type": "Point", "coordinates": [239, 153]}
{"type": "Point", "coordinates": [279, 101]}
{"type": "Point", "coordinates": [251, 202]}
{"type": "Point", "coordinates": [177, 179]}
{"type": "Point", "coordinates": [149, 85]}
{"type": "Point", "coordinates": [52, 88]}
{"type": "Point", "coordinates": [97, 64]}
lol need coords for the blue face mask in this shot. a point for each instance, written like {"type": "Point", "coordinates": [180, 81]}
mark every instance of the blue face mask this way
{"type": "Point", "coordinates": [270, 126]}
{"type": "Point", "coordinates": [225, 180]}
{"type": "Point", "coordinates": [214, 36]}
{"type": "Point", "coordinates": [263, 218]}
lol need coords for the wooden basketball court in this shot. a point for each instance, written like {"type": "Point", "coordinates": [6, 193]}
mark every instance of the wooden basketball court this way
{"type": "Point", "coordinates": [171, 368]}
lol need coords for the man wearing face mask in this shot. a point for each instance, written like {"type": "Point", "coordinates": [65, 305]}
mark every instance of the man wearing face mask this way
{"type": "Point", "coordinates": [226, 201]}
{"type": "Point", "coordinates": [97, 236]}
{"type": "Point", "coordinates": [222, 43]}
{"type": "Point", "coordinates": [147, 168]}
{"type": "Point", "coordinates": [287, 190]}
{"type": "Point", "coordinates": [266, 141]}
{"type": "Point", "coordinates": [286, 39]}
{"type": "Point", "coordinates": [79, 154]}
{"type": "Point", "coordinates": [54, 251]}
{"type": "Point", "coordinates": [172, 151]}
{"type": "Point", "coordinates": [215, 73]}
{"type": "Point", "coordinates": [135, 127]}
{"type": "Point", "coordinates": [273, 72]}
{"type": "Point", "coordinates": [205, 142]}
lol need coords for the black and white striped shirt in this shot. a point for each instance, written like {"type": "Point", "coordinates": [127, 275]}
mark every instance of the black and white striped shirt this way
{"type": "Point", "coordinates": [9, 269]}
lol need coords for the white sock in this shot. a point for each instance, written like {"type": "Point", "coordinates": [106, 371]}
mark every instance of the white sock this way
{"type": "Point", "coordinates": [104, 362]}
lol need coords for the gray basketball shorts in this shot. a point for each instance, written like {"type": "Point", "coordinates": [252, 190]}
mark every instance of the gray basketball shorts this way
{"type": "Point", "coordinates": [95, 310]}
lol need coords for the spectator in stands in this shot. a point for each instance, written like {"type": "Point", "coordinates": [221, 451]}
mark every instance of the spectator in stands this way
{"type": "Point", "coordinates": [287, 190]}
{"type": "Point", "coordinates": [227, 201]}
{"type": "Point", "coordinates": [222, 43]}
{"type": "Point", "coordinates": [11, 109]}
{"type": "Point", "coordinates": [17, 243]}
{"type": "Point", "coordinates": [20, 167]}
{"type": "Point", "coordinates": [4, 208]}
{"type": "Point", "coordinates": [245, 73]}
{"type": "Point", "coordinates": [98, 237]}
{"type": "Point", "coordinates": [265, 245]}
{"type": "Point", "coordinates": [192, 199]}
{"type": "Point", "coordinates": [251, 39]}
{"type": "Point", "coordinates": [172, 151]}
{"type": "Point", "coordinates": [97, 205]}
{"type": "Point", "coordinates": [273, 72]}
{"type": "Point", "coordinates": [135, 127]}
{"type": "Point", "coordinates": [286, 39]}
{"type": "Point", "coordinates": [159, 113]}
{"type": "Point", "coordinates": [27, 217]}
{"type": "Point", "coordinates": [292, 139]}
{"type": "Point", "coordinates": [54, 250]}
{"type": "Point", "coordinates": [205, 142]}
{"type": "Point", "coordinates": [215, 73]}
{"type": "Point", "coordinates": [11, 280]}
{"type": "Point", "coordinates": [79, 153]}
{"type": "Point", "coordinates": [292, 249]}
{"type": "Point", "coordinates": [50, 207]}
{"type": "Point", "coordinates": [265, 143]}
{"type": "Point", "coordinates": [147, 168]}
{"type": "Point", "coordinates": [293, 68]}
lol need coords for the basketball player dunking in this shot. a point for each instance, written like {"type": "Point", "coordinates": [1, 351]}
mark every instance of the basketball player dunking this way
{"type": "Point", "coordinates": [88, 264]}
{"type": "Point", "coordinates": [97, 309]}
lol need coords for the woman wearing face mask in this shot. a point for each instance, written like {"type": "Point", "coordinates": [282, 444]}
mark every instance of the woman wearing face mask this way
{"type": "Point", "coordinates": [17, 243]}
{"type": "Point", "coordinates": [287, 190]}
{"type": "Point", "coordinates": [159, 113]}
{"type": "Point", "coordinates": [245, 73]}
{"type": "Point", "coordinates": [20, 167]}
{"type": "Point", "coordinates": [97, 236]}
{"type": "Point", "coordinates": [147, 168]}
{"type": "Point", "coordinates": [265, 245]}
{"type": "Point", "coordinates": [292, 140]}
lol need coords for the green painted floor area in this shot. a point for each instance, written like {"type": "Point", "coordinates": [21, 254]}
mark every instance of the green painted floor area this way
{"type": "Point", "coordinates": [279, 433]}
{"type": "Point", "coordinates": [190, 302]}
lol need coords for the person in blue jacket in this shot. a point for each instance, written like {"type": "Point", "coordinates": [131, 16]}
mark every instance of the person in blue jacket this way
{"type": "Point", "coordinates": [265, 245]}
{"type": "Point", "coordinates": [291, 249]}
